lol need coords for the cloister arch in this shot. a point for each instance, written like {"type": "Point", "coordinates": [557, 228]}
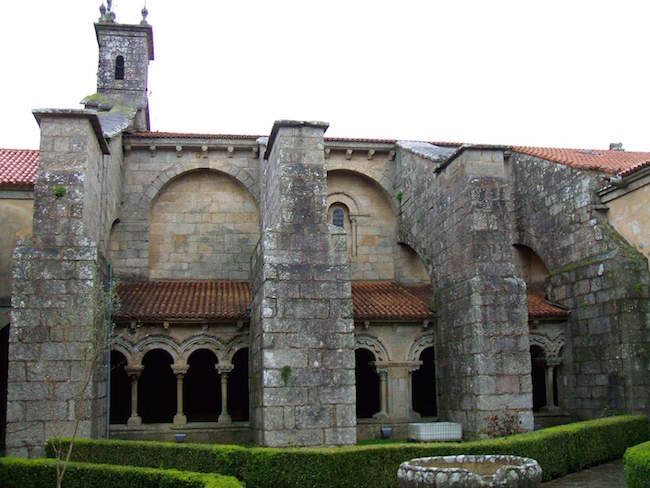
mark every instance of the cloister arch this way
{"type": "Point", "coordinates": [120, 401]}
{"type": "Point", "coordinates": [419, 345]}
{"type": "Point", "coordinates": [157, 387]}
{"type": "Point", "coordinates": [202, 341]}
{"type": "Point", "coordinates": [367, 383]}
{"type": "Point", "coordinates": [159, 341]}
{"type": "Point", "coordinates": [373, 345]}
{"type": "Point", "coordinates": [202, 386]}
{"type": "Point", "coordinates": [238, 386]}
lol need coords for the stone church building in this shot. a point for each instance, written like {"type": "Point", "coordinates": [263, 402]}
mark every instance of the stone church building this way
{"type": "Point", "coordinates": [294, 289]}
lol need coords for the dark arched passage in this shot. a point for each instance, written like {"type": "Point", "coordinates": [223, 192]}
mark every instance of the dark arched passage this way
{"type": "Point", "coordinates": [238, 387]}
{"type": "Point", "coordinates": [4, 370]}
{"type": "Point", "coordinates": [537, 376]}
{"type": "Point", "coordinates": [157, 388]}
{"type": "Point", "coordinates": [367, 384]}
{"type": "Point", "coordinates": [423, 387]}
{"type": "Point", "coordinates": [202, 387]}
{"type": "Point", "coordinates": [120, 389]}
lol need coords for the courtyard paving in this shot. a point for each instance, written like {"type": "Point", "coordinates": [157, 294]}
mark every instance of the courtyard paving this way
{"type": "Point", "coordinates": [608, 475]}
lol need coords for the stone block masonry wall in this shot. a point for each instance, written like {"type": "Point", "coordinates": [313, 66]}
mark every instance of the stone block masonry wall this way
{"type": "Point", "coordinates": [302, 350]}
{"type": "Point", "coordinates": [598, 276]}
{"type": "Point", "coordinates": [55, 275]}
{"type": "Point", "coordinates": [459, 221]}
{"type": "Point", "coordinates": [136, 245]}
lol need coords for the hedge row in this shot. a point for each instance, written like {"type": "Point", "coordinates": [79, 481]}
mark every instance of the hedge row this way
{"type": "Point", "coordinates": [637, 466]}
{"type": "Point", "coordinates": [559, 450]}
{"type": "Point", "coordinates": [41, 473]}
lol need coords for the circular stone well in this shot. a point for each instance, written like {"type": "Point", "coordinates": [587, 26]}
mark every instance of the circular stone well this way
{"type": "Point", "coordinates": [470, 471]}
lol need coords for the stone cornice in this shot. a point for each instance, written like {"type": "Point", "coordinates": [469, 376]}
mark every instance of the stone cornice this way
{"type": "Point", "coordinates": [625, 185]}
{"type": "Point", "coordinates": [66, 113]}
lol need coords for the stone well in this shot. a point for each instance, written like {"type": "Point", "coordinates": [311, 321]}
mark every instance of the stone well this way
{"type": "Point", "coordinates": [470, 471]}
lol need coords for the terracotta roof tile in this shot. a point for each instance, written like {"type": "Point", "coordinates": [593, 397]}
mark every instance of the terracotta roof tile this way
{"type": "Point", "coordinates": [191, 300]}
{"type": "Point", "coordinates": [538, 307]}
{"type": "Point", "coordinates": [189, 135]}
{"type": "Point", "coordinates": [390, 301]}
{"type": "Point", "coordinates": [606, 161]}
{"type": "Point", "coordinates": [18, 167]}
{"type": "Point", "coordinates": [228, 300]}
{"type": "Point", "coordinates": [635, 168]}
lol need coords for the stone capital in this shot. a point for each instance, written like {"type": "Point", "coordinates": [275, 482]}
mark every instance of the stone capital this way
{"type": "Point", "coordinates": [180, 369]}
{"type": "Point", "coordinates": [224, 368]}
{"type": "Point", "coordinates": [134, 371]}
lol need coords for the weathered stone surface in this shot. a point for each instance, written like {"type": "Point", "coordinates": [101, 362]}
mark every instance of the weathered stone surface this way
{"type": "Point", "coordinates": [302, 327]}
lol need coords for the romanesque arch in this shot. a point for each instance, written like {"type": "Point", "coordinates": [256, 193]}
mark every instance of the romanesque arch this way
{"type": "Point", "coordinates": [239, 342]}
{"type": "Point", "coordinates": [202, 341]}
{"type": "Point", "coordinates": [551, 346]}
{"type": "Point", "coordinates": [202, 386]}
{"type": "Point", "coordinates": [183, 167]}
{"type": "Point", "coordinates": [203, 224]}
{"type": "Point", "coordinates": [374, 345]}
{"type": "Point", "coordinates": [159, 341]}
{"type": "Point", "coordinates": [419, 345]}
{"type": "Point", "coordinates": [125, 348]}
{"type": "Point", "coordinates": [157, 386]}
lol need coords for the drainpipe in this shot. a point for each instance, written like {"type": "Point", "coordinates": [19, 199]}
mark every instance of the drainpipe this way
{"type": "Point", "coordinates": [109, 333]}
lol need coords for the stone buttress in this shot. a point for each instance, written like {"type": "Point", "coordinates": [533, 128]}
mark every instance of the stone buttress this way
{"type": "Point", "coordinates": [456, 212]}
{"type": "Point", "coordinates": [302, 346]}
{"type": "Point", "coordinates": [53, 323]}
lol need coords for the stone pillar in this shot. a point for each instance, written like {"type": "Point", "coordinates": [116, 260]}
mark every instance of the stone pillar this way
{"type": "Point", "coordinates": [56, 278]}
{"type": "Point", "coordinates": [224, 370]}
{"type": "Point", "coordinates": [383, 394]}
{"type": "Point", "coordinates": [302, 345]}
{"type": "Point", "coordinates": [550, 365]}
{"type": "Point", "coordinates": [134, 375]}
{"type": "Point", "coordinates": [179, 371]}
{"type": "Point", "coordinates": [412, 368]}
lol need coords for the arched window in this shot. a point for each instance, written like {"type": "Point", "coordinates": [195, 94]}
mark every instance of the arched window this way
{"type": "Point", "coordinates": [338, 217]}
{"type": "Point", "coordinates": [119, 68]}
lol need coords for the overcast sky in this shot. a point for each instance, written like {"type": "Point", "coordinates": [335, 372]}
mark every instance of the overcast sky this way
{"type": "Point", "coordinates": [547, 73]}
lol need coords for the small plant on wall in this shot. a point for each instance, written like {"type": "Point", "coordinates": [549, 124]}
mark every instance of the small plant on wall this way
{"type": "Point", "coordinates": [60, 191]}
{"type": "Point", "coordinates": [285, 374]}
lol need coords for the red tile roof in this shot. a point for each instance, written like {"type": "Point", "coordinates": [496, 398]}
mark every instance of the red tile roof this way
{"type": "Point", "coordinates": [228, 300]}
{"type": "Point", "coordinates": [390, 301]}
{"type": "Point", "coordinates": [18, 167]}
{"type": "Point", "coordinates": [190, 300]}
{"type": "Point", "coordinates": [635, 168]}
{"type": "Point", "coordinates": [606, 161]}
{"type": "Point", "coordinates": [189, 135]}
{"type": "Point", "coordinates": [539, 308]}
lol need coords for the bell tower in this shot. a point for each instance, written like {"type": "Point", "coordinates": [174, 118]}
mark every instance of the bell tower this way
{"type": "Point", "coordinates": [122, 76]}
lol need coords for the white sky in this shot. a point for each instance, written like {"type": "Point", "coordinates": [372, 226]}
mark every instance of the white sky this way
{"type": "Point", "coordinates": [549, 73]}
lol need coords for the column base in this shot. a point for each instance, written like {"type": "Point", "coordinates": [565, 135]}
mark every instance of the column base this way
{"type": "Point", "coordinates": [380, 416]}
{"type": "Point", "coordinates": [224, 419]}
{"type": "Point", "coordinates": [134, 421]}
{"type": "Point", "coordinates": [551, 409]}
{"type": "Point", "coordinates": [180, 419]}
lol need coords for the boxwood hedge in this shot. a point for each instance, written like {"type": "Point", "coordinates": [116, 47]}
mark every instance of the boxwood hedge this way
{"type": "Point", "coordinates": [637, 466]}
{"type": "Point", "coordinates": [41, 473]}
{"type": "Point", "coordinates": [559, 450]}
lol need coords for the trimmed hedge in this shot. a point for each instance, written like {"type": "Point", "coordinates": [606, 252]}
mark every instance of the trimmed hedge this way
{"type": "Point", "coordinates": [559, 450]}
{"type": "Point", "coordinates": [41, 473]}
{"type": "Point", "coordinates": [637, 466]}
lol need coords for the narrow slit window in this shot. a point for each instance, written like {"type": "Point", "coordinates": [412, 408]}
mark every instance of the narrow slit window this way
{"type": "Point", "coordinates": [119, 68]}
{"type": "Point", "coordinates": [338, 217]}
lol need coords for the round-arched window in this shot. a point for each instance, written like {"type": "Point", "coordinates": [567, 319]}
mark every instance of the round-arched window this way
{"type": "Point", "coordinates": [119, 68]}
{"type": "Point", "coordinates": [338, 217]}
